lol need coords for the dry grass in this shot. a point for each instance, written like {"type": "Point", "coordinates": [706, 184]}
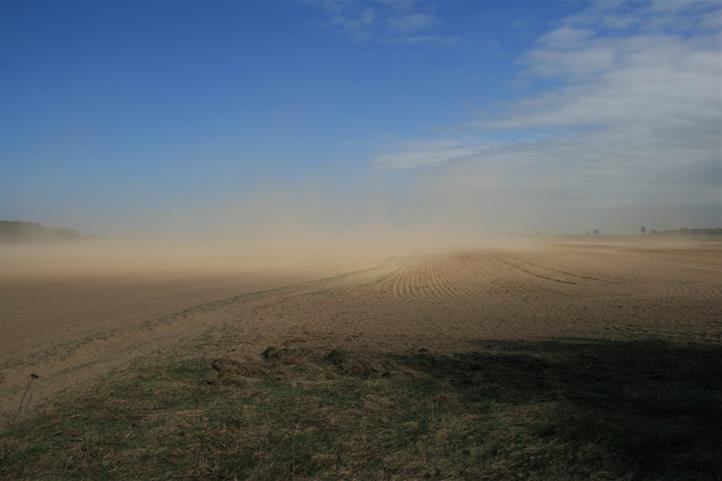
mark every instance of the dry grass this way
{"type": "Point", "coordinates": [567, 410]}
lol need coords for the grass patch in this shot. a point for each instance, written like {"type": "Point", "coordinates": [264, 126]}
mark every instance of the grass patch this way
{"type": "Point", "coordinates": [541, 411]}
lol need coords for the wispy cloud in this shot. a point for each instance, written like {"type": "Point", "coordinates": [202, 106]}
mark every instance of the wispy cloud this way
{"type": "Point", "coordinates": [430, 40]}
{"type": "Point", "coordinates": [387, 21]}
{"type": "Point", "coordinates": [425, 153]}
{"type": "Point", "coordinates": [411, 22]}
{"type": "Point", "coordinates": [356, 20]}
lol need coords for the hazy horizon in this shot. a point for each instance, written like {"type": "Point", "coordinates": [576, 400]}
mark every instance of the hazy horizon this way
{"type": "Point", "coordinates": [406, 118]}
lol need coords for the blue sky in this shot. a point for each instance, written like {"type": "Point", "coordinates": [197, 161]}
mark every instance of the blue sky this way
{"type": "Point", "coordinates": [112, 114]}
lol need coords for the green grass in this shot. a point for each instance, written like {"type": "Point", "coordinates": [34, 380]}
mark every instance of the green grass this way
{"type": "Point", "coordinates": [539, 411]}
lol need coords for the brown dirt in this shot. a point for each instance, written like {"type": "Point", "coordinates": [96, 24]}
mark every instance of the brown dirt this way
{"type": "Point", "coordinates": [68, 331]}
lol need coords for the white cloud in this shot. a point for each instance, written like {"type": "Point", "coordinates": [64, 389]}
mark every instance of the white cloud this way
{"type": "Point", "coordinates": [565, 36]}
{"type": "Point", "coordinates": [635, 119]}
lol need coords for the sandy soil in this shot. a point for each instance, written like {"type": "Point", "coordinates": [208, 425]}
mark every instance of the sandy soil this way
{"type": "Point", "coordinates": [68, 329]}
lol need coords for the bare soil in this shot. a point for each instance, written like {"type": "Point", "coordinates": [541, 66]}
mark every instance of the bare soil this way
{"type": "Point", "coordinates": [69, 329]}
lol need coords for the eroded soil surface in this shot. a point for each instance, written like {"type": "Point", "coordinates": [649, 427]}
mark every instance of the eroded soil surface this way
{"type": "Point", "coordinates": [594, 290]}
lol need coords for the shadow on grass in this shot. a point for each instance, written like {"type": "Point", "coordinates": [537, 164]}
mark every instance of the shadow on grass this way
{"type": "Point", "coordinates": [641, 410]}
{"type": "Point", "coordinates": [562, 410]}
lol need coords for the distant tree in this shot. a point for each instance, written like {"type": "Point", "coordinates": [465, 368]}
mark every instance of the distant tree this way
{"type": "Point", "coordinates": [596, 231]}
{"type": "Point", "coordinates": [643, 230]}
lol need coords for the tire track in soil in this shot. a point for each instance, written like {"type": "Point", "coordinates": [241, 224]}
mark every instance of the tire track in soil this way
{"type": "Point", "coordinates": [563, 272]}
{"type": "Point", "coordinates": [537, 274]}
